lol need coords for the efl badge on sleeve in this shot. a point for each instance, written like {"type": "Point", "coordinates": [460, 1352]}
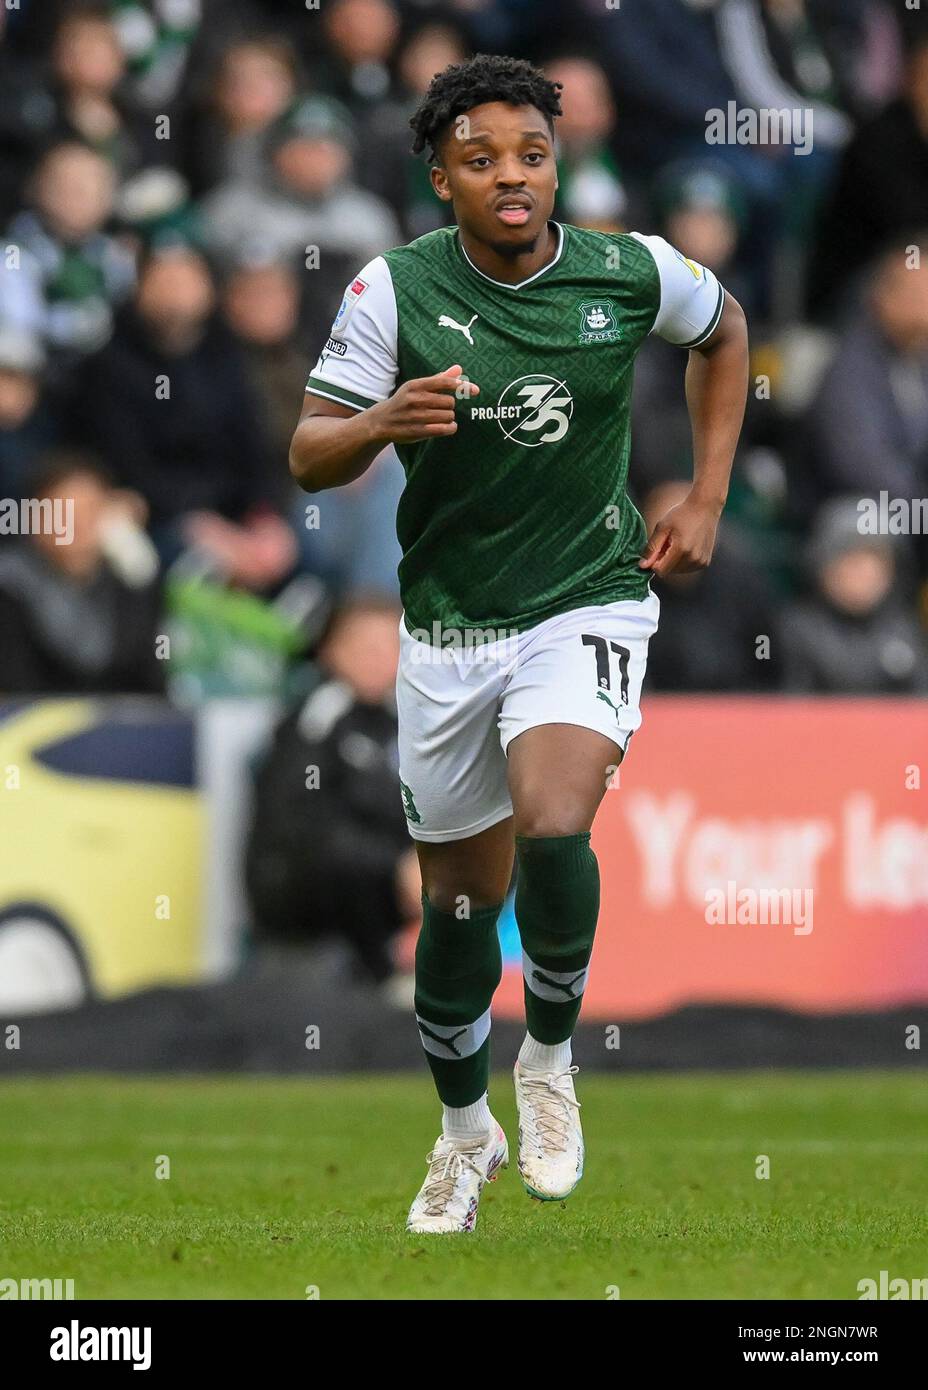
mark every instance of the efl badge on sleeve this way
{"type": "Point", "coordinates": [350, 299]}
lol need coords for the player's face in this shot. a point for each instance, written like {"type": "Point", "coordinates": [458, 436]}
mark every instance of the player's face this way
{"type": "Point", "coordinates": [498, 168]}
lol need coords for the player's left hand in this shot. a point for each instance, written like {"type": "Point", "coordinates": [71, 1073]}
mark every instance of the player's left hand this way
{"type": "Point", "coordinates": [684, 538]}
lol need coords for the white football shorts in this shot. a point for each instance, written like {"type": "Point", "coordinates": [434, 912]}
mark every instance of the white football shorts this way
{"type": "Point", "coordinates": [460, 704]}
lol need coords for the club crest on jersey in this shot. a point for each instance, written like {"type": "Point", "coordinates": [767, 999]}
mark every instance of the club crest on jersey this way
{"type": "Point", "coordinates": [349, 300]}
{"type": "Point", "coordinates": [535, 409]}
{"type": "Point", "coordinates": [598, 321]}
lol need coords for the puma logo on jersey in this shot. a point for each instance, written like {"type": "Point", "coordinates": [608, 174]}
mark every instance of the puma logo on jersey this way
{"type": "Point", "coordinates": [446, 321]}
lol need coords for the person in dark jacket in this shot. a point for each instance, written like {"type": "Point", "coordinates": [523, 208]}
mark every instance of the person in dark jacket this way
{"type": "Point", "coordinates": [881, 189]}
{"type": "Point", "coordinates": [718, 629]}
{"type": "Point", "coordinates": [169, 407]}
{"type": "Point", "coordinates": [867, 428]}
{"type": "Point", "coordinates": [328, 853]}
{"type": "Point", "coordinates": [80, 592]}
{"type": "Point", "coordinates": [854, 634]}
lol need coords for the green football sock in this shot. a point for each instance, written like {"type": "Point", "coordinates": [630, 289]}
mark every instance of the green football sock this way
{"type": "Point", "coordinates": [557, 904]}
{"type": "Point", "coordinates": [458, 966]}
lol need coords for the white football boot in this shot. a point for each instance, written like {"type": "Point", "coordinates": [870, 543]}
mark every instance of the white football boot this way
{"type": "Point", "coordinates": [458, 1168]}
{"type": "Point", "coordinates": [550, 1137]}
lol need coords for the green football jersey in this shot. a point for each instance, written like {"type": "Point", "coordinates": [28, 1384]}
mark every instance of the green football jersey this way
{"type": "Point", "coordinates": [522, 513]}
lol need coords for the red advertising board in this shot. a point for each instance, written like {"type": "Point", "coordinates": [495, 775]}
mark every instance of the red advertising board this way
{"type": "Point", "coordinates": [763, 851]}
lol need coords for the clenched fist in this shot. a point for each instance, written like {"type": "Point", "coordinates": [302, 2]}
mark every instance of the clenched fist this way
{"type": "Point", "coordinates": [423, 408]}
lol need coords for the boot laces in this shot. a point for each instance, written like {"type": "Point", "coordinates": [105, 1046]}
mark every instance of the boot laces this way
{"type": "Point", "coordinates": [551, 1108]}
{"type": "Point", "coordinates": [446, 1167]}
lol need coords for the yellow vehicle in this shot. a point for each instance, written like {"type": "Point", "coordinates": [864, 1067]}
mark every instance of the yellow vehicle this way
{"type": "Point", "coordinates": [101, 857]}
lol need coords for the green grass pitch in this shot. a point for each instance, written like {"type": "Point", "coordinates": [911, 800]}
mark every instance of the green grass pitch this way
{"type": "Point", "coordinates": [280, 1186]}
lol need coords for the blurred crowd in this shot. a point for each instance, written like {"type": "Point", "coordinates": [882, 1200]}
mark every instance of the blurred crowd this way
{"type": "Point", "coordinates": [187, 186]}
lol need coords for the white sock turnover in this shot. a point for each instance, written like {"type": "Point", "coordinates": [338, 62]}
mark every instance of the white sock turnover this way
{"type": "Point", "coordinates": [467, 1121]}
{"type": "Point", "coordinates": [536, 1056]}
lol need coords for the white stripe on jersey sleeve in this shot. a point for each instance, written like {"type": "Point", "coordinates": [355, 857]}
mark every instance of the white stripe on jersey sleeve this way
{"type": "Point", "coordinates": [691, 297]}
{"type": "Point", "coordinates": [358, 365]}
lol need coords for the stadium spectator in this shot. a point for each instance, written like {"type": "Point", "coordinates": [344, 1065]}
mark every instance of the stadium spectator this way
{"type": "Point", "coordinates": [880, 190]}
{"type": "Point", "coordinates": [168, 405]}
{"type": "Point", "coordinates": [275, 170]}
{"type": "Point", "coordinates": [713, 621]}
{"type": "Point", "coordinates": [70, 273]}
{"type": "Point", "coordinates": [26, 423]}
{"type": "Point", "coordinates": [789, 55]}
{"type": "Point", "coordinates": [785, 57]}
{"type": "Point", "coordinates": [88, 68]}
{"type": "Point", "coordinates": [427, 50]}
{"type": "Point", "coordinates": [854, 635]}
{"type": "Point", "coordinates": [261, 304]}
{"type": "Point", "coordinates": [389, 170]}
{"type": "Point", "coordinates": [328, 852]}
{"type": "Point", "coordinates": [307, 198]}
{"type": "Point", "coordinates": [256, 81]}
{"type": "Point", "coordinates": [666, 72]}
{"type": "Point", "coordinates": [700, 215]}
{"type": "Point", "coordinates": [353, 543]}
{"type": "Point", "coordinates": [868, 424]}
{"type": "Point", "coordinates": [80, 598]}
{"type": "Point", "coordinates": [592, 192]}
{"type": "Point", "coordinates": [27, 118]}
{"type": "Point", "coordinates": [159, 41]}
{"type": "Point", "coordinates": [360, 38]}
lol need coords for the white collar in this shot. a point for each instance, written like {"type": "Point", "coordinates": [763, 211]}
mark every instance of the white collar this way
{"type": "Point", "coordinates": [503, 284]}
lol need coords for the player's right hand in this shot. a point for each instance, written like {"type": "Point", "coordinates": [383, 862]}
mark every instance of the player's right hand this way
{"type": "Point", "coordinates": [423, 408]}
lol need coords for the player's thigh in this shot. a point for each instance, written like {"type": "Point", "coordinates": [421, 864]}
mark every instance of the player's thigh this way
{"type": "Point", "coordinates": [474, 872]}
{"type": "Point", "coordinates": [569, 710]}
{"type": "Point", "coordinates": [452, 768]}
{"type": "Point", "coordinates": [558, 774]}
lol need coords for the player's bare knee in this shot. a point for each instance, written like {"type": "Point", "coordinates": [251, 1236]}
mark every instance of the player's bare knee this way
{"type": "Point", "coordinates": [556, 822]}
{"type": "Point", "coordinates": [460, 899]}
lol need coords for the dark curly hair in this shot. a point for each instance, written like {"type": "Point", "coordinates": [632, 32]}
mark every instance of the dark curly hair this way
{"type": "Point", "coordinates": [484, 78]}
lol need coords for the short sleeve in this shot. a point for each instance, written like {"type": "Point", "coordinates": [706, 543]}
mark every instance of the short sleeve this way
{"type": "Point", "coordinates": [358, 366]}
{"type": "Point", "coordinates": [691, 297]}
